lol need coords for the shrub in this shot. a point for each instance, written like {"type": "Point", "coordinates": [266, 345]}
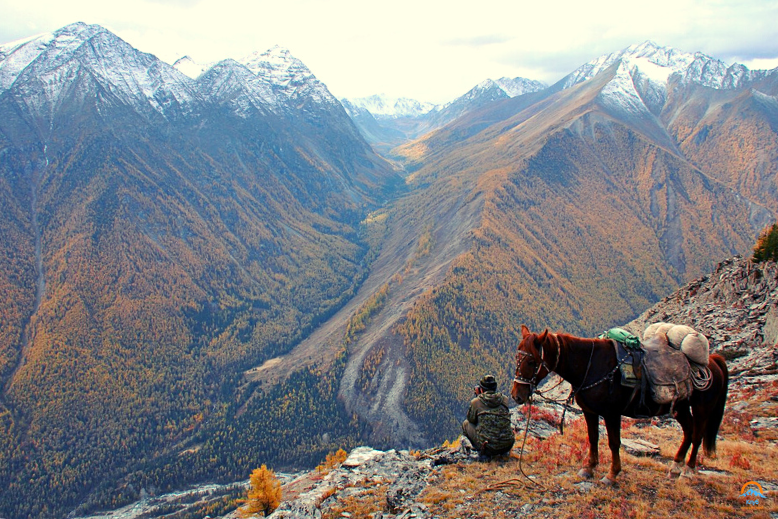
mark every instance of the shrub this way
{"type": "Point", "coordinates": [333, 459]}
{"type": "Point", "coordinates": [264, 494]}
{"type": "Point", "coordinates": [766, 247]}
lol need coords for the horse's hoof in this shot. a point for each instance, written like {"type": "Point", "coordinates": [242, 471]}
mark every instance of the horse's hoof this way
{"type": "Point", "coordinates": [675, 469]}
{"type": "Point", "coordinates": [688, 472]}
{"type": "Point", "coordinates": [607, 481]}
{"type": "Point", "coordinates": [585, 474]}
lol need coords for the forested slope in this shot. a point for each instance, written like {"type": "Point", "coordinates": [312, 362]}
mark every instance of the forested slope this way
{"type": "Point", "coordinates": [157, 245]}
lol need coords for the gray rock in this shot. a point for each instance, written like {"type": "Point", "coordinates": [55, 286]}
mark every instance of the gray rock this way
{"type": "Point", "coordinates": [406, 488]}
{"type": "Point", "coordinates": [359, 456]}
{"type": "Point", "coordinates": [638, 447]}
{"type": "Point", "coordinates": [295, 510]}
{"type": "Point", "coordinates": [734, 307]}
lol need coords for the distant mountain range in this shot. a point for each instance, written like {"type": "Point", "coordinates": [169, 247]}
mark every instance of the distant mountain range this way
{"type": "Point", "coordinates": [207, 268]}
{"type": "Point", "coordinates": [386, 122]}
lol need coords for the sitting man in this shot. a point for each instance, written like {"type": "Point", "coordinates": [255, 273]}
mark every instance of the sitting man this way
{"type": "Point", "coordinates": [488, 424]}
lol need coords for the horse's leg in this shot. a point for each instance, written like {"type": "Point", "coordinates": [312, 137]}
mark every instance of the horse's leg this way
{"type": "Point", "coordinates": [698, 428]}
{"type": "Point", "coordinates": [593, 429]}
{"type": "Point", "coordinates": [613, 426]}
{"type": "Point", "coordinates": [684, 418]}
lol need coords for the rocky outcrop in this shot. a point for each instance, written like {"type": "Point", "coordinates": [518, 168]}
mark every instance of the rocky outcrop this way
{"type": "Point", "coordinates": [404, 476]}
{"type": "Point", "coordinates": [736, 307]}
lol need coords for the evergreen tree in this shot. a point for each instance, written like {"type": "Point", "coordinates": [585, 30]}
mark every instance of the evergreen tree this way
{"type": "Point", "coordinates": [766, 247]}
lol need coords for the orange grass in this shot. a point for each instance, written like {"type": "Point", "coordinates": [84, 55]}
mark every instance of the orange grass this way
{"type": "Point", "coordinates": [498, 490]}
{"type": "Point", "coordinates": [643, 489]}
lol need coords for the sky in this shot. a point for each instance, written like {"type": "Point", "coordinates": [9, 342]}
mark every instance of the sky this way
{"type": "Point", "coordinates": [429, 50]}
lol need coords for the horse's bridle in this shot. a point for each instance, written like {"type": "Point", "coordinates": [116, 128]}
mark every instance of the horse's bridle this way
{"type": "Point", "coordinates": [521, 356]}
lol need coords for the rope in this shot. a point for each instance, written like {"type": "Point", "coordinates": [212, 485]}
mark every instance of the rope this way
{"type": "Point", "coordinates": [502, 484]}
{"type": "Point", "coordinates": [523, 443]}
{"type": "Point", "coordinates": [702, 378]}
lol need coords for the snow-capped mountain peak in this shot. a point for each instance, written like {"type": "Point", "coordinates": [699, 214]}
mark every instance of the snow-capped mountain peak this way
{"type": "Point", "coordinates": [16, 56]}
{"type": "Point", "coordinates": [80, 59]}
{"type": "Point", "coordinates": [381, 105]}
{"type": "Point", "coordinates": [657, 64]}
{"type": "Point", "coordinates": [289, 77]}
{"type": "Point", "coordinates": [519, 86]}
{"type": "Point", "coordinates": [645, 70]}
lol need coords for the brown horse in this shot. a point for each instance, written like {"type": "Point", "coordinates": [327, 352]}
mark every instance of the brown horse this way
{"type": "Point", "coordinates": [591, 367]}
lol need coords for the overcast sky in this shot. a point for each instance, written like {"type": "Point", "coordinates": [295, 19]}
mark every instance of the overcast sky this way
{"type": "Point", "coordinates": [430, 50]}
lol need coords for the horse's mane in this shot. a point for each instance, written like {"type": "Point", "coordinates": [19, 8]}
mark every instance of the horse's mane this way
{"type": "Point", "coordinates": [573, 341]}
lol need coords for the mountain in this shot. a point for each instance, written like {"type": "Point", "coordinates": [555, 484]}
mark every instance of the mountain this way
{"type": "Point", "coordinates": [387, 122]}
{"type": "Point", "coordinates": [573, 208]}
{"type": "Point", "coordinates": [202, 275]}
{"type": "Point", "coordinates": [736, 307]}
{"type": "Point", "coordinates": [482, 94]}
{"type": "Point", "coordinates": [651, 66]}
{"type": "Point", "coordinates": [370, 128]}
{"type": "Point", "coordinates": [160, 235]}
{"type": "Point", "coordinates": [190, 67]}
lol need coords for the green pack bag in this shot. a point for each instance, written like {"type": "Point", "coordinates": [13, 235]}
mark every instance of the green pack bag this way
{"type": "Point", "coordinates": [630, 341]}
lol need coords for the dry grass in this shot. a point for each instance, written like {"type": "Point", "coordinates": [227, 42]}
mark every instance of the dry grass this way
{"type": "Point", "coordinates": [497, 489]}
{"type": "Point", "coordinates": [643, 489]}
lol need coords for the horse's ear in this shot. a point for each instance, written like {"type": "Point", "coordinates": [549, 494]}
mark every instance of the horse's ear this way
{"type": "Point", "coordinates": [524, 331]}
{"type": "Point", "coordinates": [542, 337]}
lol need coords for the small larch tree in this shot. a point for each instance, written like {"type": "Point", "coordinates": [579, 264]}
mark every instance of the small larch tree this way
{"type": "Point", "coordinates": [264, 494]}
{"type": "Point", "coordinates": [766, 248]}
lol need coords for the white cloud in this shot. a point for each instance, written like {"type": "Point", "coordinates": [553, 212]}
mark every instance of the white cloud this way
{"type": "Point", "coordinates": [428, 49]}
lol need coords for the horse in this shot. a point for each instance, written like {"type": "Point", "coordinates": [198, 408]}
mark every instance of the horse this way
{"type": "Point", "coordinates": [592, 368]}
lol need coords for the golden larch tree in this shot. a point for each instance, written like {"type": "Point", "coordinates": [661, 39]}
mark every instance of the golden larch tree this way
{"type": "Point", "coordinates": [264, 493]}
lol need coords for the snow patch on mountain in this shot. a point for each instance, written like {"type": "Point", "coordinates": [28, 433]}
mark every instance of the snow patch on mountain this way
{"type": "Point", "coordinates": [658, 64]}
{"type": "Point", "coordinates": [17, 55]}
{"type": "Point", "coordinates": [647, 69]}
{"type": "Point", "coordinates": [78, 59]}
{"type": "Point", "coordinates": [88, 63]}
{"type": "Point", "coordinates": [186, 65]}
{"type": "Point", "coordinates": [620, 94]}
{"type": "Point", "coordinates": [230, 82]}
{"type": "Point", "coordinates": [519, 86]}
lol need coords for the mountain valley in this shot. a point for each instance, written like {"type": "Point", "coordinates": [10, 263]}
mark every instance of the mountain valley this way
{"type": "Point", "coordinates": [208, 271]}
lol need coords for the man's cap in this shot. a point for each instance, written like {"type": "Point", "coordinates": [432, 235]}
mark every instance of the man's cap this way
{"type": "Point", "coordinates": [488, 383]}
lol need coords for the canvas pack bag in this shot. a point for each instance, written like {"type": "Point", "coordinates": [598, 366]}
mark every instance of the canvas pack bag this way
{"type": "Point", "coordinates": [667, 371]}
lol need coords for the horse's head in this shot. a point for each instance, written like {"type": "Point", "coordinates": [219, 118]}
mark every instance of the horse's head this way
{"type": "Point", "coordinates": [531, 366]}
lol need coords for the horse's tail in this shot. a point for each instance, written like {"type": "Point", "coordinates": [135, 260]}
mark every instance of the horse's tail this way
{"type": "Point", "coordinates": [717, 413]}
